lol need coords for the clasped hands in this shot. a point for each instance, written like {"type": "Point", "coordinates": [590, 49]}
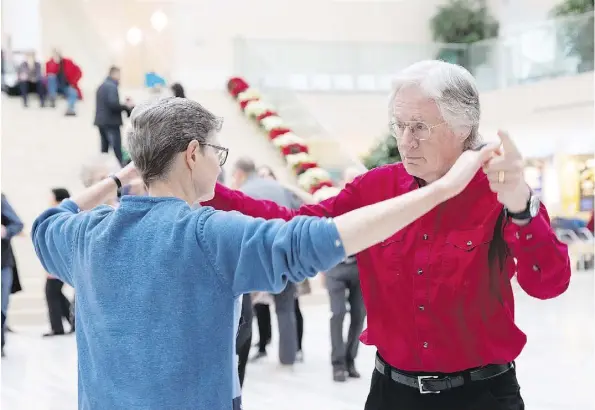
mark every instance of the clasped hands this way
{"type": "Point", "coordinates": [502, 163]}
{"type": "Point", "coordinates": [505, 171]}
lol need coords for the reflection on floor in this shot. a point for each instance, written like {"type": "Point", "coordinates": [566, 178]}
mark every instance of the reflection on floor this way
{"type": "Point", "coordinates": [555, 370]}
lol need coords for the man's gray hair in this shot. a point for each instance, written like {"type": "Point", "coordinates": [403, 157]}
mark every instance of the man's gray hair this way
{"type": "Point", "coordinates": [246, 165]}
{"type": "Point", "coordinates": [454, 90]}
{"type": "Point", "coordinates": [159, 130]}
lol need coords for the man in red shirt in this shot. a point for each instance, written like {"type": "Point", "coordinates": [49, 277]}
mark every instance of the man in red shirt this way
{"type": "Point", "coordinates": [438, 293]}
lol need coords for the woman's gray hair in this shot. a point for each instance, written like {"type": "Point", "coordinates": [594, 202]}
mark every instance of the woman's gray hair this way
{"type": "Point", "coordinates": [97, 168]}
{"type": "Point", "coordinates": [454, 90]}
{"type": "Point", "coordinates": [161, 129]}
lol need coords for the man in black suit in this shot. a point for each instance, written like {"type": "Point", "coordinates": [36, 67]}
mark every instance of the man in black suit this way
{"type": "Point", "coordinates": [108, 113]}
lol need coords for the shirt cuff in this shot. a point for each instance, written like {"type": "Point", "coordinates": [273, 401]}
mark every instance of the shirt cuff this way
{"type": "Point", "coordinates": [70, 205]}
{"type": "Point", "coordinates": [535, 234]}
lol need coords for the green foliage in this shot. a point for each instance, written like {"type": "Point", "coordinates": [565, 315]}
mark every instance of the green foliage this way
{"type": "Point", "coordinates": [463, 22]}
{"type": "Point", "coordinates": [576, 35]}
{"type": "Point", "coordinates": [385, 152]}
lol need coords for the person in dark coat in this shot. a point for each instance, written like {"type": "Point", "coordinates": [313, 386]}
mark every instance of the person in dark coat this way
{"type": "Point", "coordinates": [11, 226]}
{"type": "Point", "coordinates": [108, 113]}
{"type": "Point", "coordinates": [58, 304]}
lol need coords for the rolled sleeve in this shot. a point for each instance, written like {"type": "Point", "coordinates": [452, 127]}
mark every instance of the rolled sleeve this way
{"type": "Point", "coordinates": [543, 264]}
{"type": "Point", "coordinates": [258, 255]}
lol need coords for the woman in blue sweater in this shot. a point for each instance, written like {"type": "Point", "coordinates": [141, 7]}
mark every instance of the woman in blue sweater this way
{"type": "Point", "coordinates": [157, 280]}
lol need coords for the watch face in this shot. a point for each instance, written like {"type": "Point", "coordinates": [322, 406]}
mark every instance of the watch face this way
{"type": "Point", "coordinates": [534, 204]}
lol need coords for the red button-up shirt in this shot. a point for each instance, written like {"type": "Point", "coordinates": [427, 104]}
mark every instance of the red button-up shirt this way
{"type": "Point", "coordinates": [427, 288]}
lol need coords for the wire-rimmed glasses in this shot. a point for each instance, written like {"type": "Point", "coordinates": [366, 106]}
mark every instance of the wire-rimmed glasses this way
{"type": "Point", "coordinates": [419, 130]}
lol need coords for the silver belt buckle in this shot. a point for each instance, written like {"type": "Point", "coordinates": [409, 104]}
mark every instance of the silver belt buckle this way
{"type": "Point", "coordinates": [420, 383]}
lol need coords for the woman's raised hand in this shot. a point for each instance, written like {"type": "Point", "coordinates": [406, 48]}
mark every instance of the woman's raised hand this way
{"type": "Point", "coordinates": [465, 168]}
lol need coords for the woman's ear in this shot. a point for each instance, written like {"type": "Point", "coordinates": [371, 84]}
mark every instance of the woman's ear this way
{"type": "Point", "coordinates": [192, 152]}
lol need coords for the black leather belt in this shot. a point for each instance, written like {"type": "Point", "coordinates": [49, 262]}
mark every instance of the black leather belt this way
{"type": "Point", "coordinates": [435, 384]}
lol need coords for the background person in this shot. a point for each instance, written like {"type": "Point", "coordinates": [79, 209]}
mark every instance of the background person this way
{"type": "Point", "coordinates": [108, 113]}
{"type": "Point", "coordinates": [63, 77]}
{"type": "Point", "coordinates": [58, 304]}
{"type": "Point", "coordinates": [11, 226]}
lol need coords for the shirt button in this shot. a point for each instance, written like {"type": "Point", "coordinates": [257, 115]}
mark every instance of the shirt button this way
{"type": "Point", "coordinates": [425, 236]}
{"type": "Point", "coordinates": [420, 271]}
{"type": "Point", "coordinates": [337, 243]}
{"type": "Point", "coordinates": [421, 307]}
{"type": "Point", "coordinates": [535, 268]}
{"type": "Point", "coordinates": [469, 243]}
{"type": "Point", "coordinates": [425, 345]}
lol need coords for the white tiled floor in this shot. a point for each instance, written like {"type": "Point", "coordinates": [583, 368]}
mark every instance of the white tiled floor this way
{"type": "Point", "coordinates": [556, 370]}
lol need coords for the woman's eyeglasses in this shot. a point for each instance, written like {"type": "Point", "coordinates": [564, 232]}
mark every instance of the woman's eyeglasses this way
{"type": "Point", "coordinates": [222, 152]}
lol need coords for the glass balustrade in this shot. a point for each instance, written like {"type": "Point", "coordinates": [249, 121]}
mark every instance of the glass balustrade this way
{"type": "Point", "coordinates": [529, 53]}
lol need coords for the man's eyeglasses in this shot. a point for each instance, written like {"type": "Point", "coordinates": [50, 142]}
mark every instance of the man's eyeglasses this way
{"type": "Point", "coordinates": [222, 152]}
{"type": "Point", "coordinates": [420, 131]}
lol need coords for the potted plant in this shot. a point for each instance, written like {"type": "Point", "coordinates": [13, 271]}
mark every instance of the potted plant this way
{"type": "Point", "coordinates": [576, 35]}
{"type": "Point", "coordinates": [463, 22]}
{"type": "Point", "coordinates": [385, 152]}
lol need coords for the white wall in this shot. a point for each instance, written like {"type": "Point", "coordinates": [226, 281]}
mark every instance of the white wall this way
{"type": "Point", "coordinates": [21, 21]}
{"type": "Point", "coordinates": [544, 117]}
{"type": "Point", "coordinates": [198, 48]}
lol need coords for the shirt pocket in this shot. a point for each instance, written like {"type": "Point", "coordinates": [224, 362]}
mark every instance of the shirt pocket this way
{"type": "Point", "coordinates": [466, 252]}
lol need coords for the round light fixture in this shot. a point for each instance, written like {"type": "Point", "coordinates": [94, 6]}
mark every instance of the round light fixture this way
{"type": "Point", "coordinates": [159, 20]}
{"type": "Point", "coordinates": [134, 36]}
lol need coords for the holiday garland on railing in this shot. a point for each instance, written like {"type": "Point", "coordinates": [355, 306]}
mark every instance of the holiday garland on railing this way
{"type": "Point", "coordinates": [294, 149]}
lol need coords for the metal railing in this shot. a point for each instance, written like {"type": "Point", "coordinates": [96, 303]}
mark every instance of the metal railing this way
{"type": "Point", "coordinates": [528, 53]}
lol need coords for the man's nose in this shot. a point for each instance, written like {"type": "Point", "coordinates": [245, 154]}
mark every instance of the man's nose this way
{"type": "Point", "coordinates": [408, 138]}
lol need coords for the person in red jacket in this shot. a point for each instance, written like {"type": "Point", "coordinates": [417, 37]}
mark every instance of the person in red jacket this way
{"type": "Point", "coordinates": [63, 76]}
{"type": "Point", "coordinates": [590, 223]}
{"type": "Point", "coordinates": [438, 292]}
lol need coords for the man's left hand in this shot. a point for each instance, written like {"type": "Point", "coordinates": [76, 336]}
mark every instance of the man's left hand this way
{"type": "Point", "coordinates": [506, 175]}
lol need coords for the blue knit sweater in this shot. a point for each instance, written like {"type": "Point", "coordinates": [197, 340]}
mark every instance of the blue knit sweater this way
{"type": "Point", "coordinates": [156, 283]}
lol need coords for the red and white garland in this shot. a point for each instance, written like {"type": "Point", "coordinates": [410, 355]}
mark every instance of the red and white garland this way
{"type": "Point", "coordinates": [294, 149]}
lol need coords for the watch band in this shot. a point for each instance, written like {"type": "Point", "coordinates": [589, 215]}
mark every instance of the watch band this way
{"type": "Point", "coordinates": [523, 215]}
{"type": "Point", "coordinates": [118, 184]}
{"type": "Point", "coordinates": [520, 216]}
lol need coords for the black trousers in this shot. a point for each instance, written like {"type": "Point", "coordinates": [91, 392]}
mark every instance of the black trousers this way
{"type": "Point", "coordinates": [263, 319]}
{"type": "Point", "coordinates": [499, 393]}
{"type": "Point", "coordinates": [111, 137]}
{"type": "Point", "coordinates": [243, 352]}
{"type": "Point", "coordinates": [58, 304]}
{"type": "Point", "coordinates": [299, 319]}
{"type": "Point", "coordinates": [29, 86]}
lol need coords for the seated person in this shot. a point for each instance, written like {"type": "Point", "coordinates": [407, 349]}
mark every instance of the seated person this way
{"type": "Point", "coordinates": [30, 78]}
{"type": "Point", "coordinates": [63, 76]}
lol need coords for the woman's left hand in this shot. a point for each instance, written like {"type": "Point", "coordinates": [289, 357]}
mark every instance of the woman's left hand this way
{"type": "Point", "coordinates": [506, 175]}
